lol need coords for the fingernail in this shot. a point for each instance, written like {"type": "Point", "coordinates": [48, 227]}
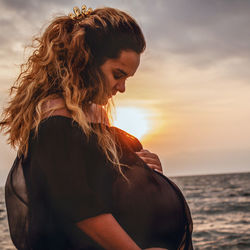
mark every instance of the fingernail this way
{"type": "Point", "coordinates": [158, 170]}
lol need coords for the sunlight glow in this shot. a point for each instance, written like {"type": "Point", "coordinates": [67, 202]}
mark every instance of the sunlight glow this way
{"type": "Point", "coordinates": [132, 120]}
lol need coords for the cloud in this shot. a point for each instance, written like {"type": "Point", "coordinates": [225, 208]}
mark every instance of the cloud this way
{"type": "Point", "coordinates": [31, 5]}
{"type": "Point", "coordinates": [202, 32]}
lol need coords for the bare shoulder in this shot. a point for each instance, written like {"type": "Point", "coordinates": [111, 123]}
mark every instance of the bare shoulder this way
{"type": "Point", "coordinates": [96, 113]}
{"type": "Point", "coordinates": [56, 106]}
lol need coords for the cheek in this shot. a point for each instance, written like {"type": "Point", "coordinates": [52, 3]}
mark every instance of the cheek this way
{"type": "Point", "coordinates": [111, 82]}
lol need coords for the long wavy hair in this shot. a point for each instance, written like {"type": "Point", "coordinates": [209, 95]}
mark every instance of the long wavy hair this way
{"type": "Point", "coordinates": [65, 63]}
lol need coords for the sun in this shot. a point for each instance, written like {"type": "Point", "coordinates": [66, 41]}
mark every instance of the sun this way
{"type": "Point", "coordinates": [132, 120]}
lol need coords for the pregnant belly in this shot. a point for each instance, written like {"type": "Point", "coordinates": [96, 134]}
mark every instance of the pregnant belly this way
{"type": "Point", "coordinates": [149, 209]}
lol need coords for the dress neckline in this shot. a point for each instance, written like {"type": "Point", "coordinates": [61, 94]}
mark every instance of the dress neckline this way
{"type": "Point", "coordinates": [111, 128]}
{"type": "Point", "coordinates": [70, 118]}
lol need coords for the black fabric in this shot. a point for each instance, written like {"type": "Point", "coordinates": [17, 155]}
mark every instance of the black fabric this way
{"type": "Point", "coordinates": [69, 179]}
{"type": "Point", "coordinates": [17, 204]}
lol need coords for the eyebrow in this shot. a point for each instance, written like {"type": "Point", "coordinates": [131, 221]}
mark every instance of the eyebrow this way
{"type": "Point", "coordinates": [123, 72]}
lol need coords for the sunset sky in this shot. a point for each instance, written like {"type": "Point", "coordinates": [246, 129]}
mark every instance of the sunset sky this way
{"type": "Point", "coordinates": [192, 88]}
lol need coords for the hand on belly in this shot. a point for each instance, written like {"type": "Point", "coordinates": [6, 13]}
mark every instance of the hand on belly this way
{"type": "Point", "coordinates": [151, 159]}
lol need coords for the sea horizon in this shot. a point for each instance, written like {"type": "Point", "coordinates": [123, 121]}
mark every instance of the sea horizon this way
{"type": "Point", "coordinates": [209, 174]}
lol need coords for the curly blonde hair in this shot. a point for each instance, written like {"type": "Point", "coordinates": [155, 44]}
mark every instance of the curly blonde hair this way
{"type": "Point", "coordinates": [65, 63]}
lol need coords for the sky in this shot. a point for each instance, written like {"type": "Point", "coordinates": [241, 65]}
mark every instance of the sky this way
{"type": "Point", "coordinates": [193, 83]}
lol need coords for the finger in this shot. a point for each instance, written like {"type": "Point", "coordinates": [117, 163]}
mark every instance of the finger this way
{"type": "Point", "coordinates": [145, 151]}
{"type": "Point", "coordinates": [157, 170]}
{"type": "Point", "coordinates": [155, 167]}
{"type": "Point", "coordinates": [147, 154]}
{"type": "Point", "coordinates": [150, 160]}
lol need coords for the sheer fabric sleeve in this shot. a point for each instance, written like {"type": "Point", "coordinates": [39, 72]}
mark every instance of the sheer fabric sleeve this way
{"type": "Point", "coordinates": [63, 156]}
{"type": "Point", "coordinates": [16, 200]}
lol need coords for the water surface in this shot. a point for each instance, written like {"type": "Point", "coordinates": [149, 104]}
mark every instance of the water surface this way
{"type": "Point", "coordinates": [220, 207]}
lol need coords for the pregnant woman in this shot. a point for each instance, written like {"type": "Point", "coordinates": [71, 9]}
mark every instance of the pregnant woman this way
{"type": "Point", "coordinates": [77, 182]}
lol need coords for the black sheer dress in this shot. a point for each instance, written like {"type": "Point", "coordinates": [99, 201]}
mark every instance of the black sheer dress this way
{"type": "Point", "coordinates": [67, 178]}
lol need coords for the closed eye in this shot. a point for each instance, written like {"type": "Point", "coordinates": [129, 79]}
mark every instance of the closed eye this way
{"type": "Point", "coordinates": [116, 76]}
{"type": "Point", "coordinates": [119, 73]}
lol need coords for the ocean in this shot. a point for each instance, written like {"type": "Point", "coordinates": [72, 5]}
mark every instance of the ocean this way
{"type": "Point", "coordinates": [219, 204]}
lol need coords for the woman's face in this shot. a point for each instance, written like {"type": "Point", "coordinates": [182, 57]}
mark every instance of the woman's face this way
{"type": "Point", "coordinates": [116, 71]}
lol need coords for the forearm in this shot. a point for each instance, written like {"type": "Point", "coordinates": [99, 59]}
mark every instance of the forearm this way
{"type": "Point", "coordinates": [106, 231]}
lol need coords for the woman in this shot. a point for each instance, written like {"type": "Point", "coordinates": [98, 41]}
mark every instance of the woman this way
{"type": "Point", "coordinates": [77, 182]}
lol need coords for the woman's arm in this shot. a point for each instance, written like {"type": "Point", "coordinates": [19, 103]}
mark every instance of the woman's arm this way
{"type": "Point", "coordinates": [106, 231]}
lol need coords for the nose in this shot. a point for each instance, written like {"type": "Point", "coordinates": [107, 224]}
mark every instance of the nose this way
{"type": "Point", "coordinates": [121, 86]}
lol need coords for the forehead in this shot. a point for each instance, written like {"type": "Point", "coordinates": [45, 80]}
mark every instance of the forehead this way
{"type": "Point", "coordinates": [128, 61]}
